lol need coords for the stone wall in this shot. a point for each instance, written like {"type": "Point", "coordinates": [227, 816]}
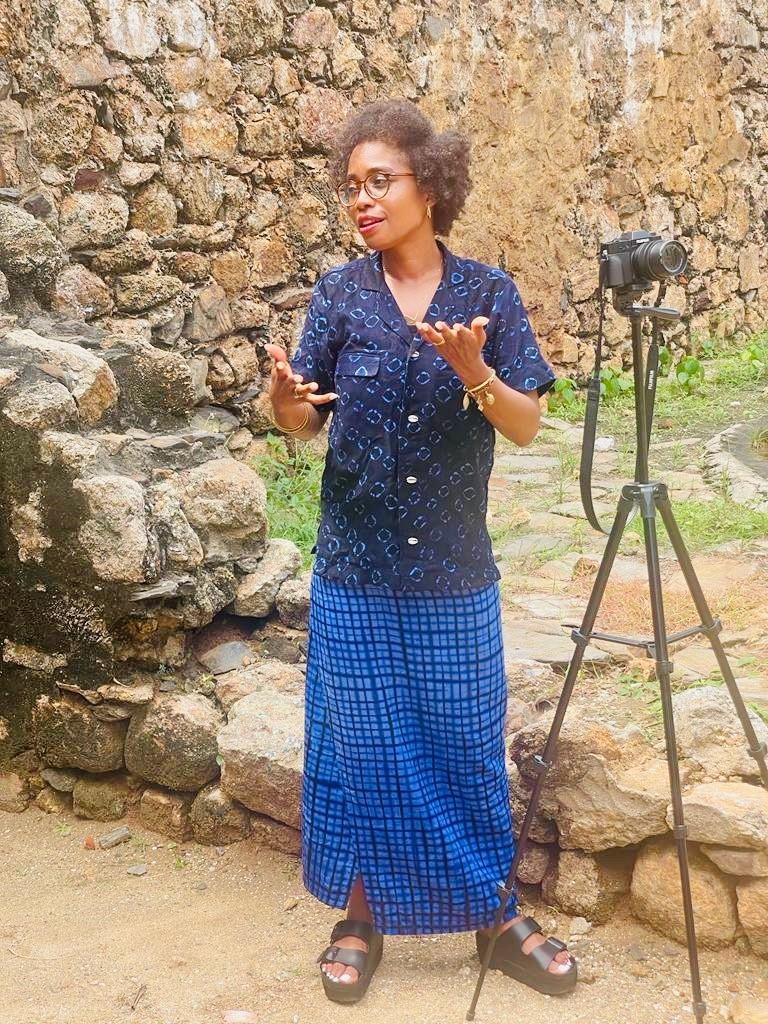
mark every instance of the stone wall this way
{"type": "Point", "coordinates": [164, 210]}
{"type": "Point", "coordinates": [176, 151]}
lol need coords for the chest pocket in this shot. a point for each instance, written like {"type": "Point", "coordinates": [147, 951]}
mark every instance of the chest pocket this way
{"type": "Point", "coordinates": [357, 364]}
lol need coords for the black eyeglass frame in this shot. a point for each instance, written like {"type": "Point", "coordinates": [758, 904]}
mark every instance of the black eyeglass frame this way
{"type": "Point", "coordinates": [387, 174]}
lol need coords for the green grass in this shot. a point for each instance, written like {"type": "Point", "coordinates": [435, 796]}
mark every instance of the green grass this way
{"type": "Point", "coordinates": [728, 379]}
{"type": "Point", "coordinates": [293, 493]}
{"type": "Point", "coordinates": [705, 524]}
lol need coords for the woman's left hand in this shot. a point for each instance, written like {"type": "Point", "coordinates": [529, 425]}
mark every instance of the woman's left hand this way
{"type": "Point", "coordinates": [463, 345]}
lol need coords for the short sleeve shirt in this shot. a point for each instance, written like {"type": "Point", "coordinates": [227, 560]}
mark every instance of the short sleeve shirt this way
{"type": "Point", "coordinates": [404, 492]}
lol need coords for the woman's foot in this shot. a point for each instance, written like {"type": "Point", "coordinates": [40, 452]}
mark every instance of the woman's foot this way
{"type": "Point", "coordinates": [342, 973]}
{"type": "Point", "coordinates": [562, 960]}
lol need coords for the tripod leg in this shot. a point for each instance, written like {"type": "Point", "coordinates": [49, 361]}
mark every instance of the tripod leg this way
{"type": "Point", "coordinates": [543, 762]}
{"type": "Point", "coordinates": [648, 509]}
{"type": "Point", "coordinates": [712, 632]}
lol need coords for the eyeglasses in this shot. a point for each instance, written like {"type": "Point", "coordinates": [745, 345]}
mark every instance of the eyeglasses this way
{"type": "Point", "coordinates": [376, 185]}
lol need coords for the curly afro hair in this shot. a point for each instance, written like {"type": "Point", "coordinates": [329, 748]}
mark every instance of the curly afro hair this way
{"type": "Point", "coordinates": [440, 161]}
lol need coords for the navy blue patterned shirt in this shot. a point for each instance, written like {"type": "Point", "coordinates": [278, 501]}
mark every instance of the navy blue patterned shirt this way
{"type": "Point", "coordinates": [404, 492]}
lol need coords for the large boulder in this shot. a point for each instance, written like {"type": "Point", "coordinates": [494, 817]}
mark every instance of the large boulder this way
{"type": "Point", "coordinates": [68, 735]}
{"type": "Point", "coordinates": [752, 898]}
{"type": "Point", "coordinates": [606, 787]}
{"type": "Point", "coordinates": [710, 736]}
{"type": "Point", "coordinates": [614, 806]}
{"type": "Point", "coordinates": [726, 813]}
{"type": "Point", "coordinates": [257, 590]}
{"type": "Point", "coordinates": [30, 254]}
{"type": "Point", "coordinates": [114, 533]}
{"type": "Point", "coordinates": [172, 741]}
{"type": "Point", "coordinates": [656, 895]}
{"type": "Point", "coordinates": [262, 749]}
{"type": "Point", "coordinates": [225, 503]}
{"type": "Point", "coordinates": [589, 884]}
{"type": "Point", "coordinates": [272, 673]}
{"type": "Point", "coordinates": [88, 378]}
{"type": "Point", "coordinates": [216, 819]}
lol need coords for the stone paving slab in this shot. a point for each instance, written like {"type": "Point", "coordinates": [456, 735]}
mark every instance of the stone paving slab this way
{"type": "Point", "coordinates": [545, 642]}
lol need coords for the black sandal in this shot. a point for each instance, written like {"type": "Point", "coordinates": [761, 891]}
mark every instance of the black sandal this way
{"type": "Point", "coordinates": [530, 968]}
{"type": "Point", "coordinates": [364, 962]}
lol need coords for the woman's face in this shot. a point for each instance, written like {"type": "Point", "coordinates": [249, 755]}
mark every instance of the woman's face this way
{"type": "Point", "coordinates": [402, 212]}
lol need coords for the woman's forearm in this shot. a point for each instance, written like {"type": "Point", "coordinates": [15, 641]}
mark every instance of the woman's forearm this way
{"type": "Point", "coordinates": [515, 415]}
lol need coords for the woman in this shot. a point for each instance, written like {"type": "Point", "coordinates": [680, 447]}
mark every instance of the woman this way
{"type": "Point", "coordinates": [421, 355]}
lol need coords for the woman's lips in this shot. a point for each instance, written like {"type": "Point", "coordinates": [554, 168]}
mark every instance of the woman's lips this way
{"type": "Point", "coordinates": [366, 229]}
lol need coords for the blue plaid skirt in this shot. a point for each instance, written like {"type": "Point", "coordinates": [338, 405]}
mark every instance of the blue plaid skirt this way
{"type": "Point", "coordinates": [405, 780]}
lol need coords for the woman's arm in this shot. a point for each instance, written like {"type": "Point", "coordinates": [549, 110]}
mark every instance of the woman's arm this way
{"type": "Point", "coordinates": [515, 414]}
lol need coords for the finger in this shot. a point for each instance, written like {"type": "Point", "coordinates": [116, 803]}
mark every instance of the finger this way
{"type": "Point", "coordinates": [320, 399]}
{"type": "Point", "coordinates": [445, 330]}
{"type": "Point", "coordinates": [463, 333]}
{"type": "Point", "coordinates": [276, 351]}
{"type": "Point", "coordinates": [429, 332]}
{"type": "Point", "coordinates": [479, 323]}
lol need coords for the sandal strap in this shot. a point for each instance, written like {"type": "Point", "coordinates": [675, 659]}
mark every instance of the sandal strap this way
{"type": "Point", "coordinates": [359, 929]}
{"type": "Point", "coordinates": [546, 952]}
{"type": "Point", "coordinates": [339, 955]}
{"type": "Point", "coordinates": [522, 929]}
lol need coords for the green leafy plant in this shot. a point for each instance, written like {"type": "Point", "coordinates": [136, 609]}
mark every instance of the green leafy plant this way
{"type": "Point", "coordinates": [665, 360]}
{"type": "Point", "coordinates": [292, 481]}
{"type": "Point", "coordinates": [563, 396]}
{"type": "Point", "coordinates": [708, 347]}
{"type": "Point", "coordinates": [614, 383]}
{"type": "Point", "coordinates": [755, 355]}
{"type": "Point", "coordinates": [689, 374]}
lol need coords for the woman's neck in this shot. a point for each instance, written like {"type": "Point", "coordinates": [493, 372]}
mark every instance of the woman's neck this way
{"type": "Point", "coordinates": [413, 260]}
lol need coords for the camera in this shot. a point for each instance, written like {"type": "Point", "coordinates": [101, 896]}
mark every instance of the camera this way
{"type": "Point", "coordinates": [632, 262]}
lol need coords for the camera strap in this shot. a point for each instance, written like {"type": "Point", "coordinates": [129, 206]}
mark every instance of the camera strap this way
{"type": "Point", "coordinates": [590, 415]}
{"type": "Point", "coordinates": [593, 401]}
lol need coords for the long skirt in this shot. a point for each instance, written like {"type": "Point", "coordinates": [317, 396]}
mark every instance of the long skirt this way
{"type": "Point", "coordinates": [405, 781]}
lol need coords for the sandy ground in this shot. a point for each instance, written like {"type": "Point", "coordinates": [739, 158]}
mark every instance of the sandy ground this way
{"type": "Point", "coordinates": [208, 929]}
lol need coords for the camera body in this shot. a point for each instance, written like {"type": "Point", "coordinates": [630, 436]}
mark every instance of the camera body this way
{"type": "Point", "coordinates": [632, 262]}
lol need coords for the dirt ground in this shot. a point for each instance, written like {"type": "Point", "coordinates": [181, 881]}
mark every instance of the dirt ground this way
{"type": "Point", "coordinates": [213, 928]}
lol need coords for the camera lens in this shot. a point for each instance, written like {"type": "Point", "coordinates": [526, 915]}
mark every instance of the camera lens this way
{"type": "Point", "coordinates": [659, 258]}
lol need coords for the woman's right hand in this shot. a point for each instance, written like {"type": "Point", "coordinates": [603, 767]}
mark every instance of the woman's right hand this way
{"type": "Point", "coordinates": [286, 388]}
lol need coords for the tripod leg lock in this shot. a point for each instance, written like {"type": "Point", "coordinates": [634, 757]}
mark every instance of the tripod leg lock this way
{"type": "Point", "coordinates": [580, 639]}
{"type": "Point", "coordinates": [761, 750]}
{"type": "Point", "coordinates": [664, 667]}
{"type": "Point", "coordinates": [713, 630]}
{"type": "Point", "coordinates": [509, 890]}
{"type": "Point", "coordinates": [540, 766]}
{"type": "Point", "coordinates": [699, 1008]}
{"type": "Point", "coordinates": [680, 830]}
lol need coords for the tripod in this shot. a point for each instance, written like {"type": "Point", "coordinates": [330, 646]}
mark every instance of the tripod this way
{"type": "Point", "coordinates": [649, 497]}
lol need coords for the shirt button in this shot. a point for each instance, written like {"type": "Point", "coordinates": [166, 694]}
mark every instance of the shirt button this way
{"type": "Point", "coordinates": [413, 540]}
{"type": "Point", "coordinates": [411, 479]}
{"type": "Point", "coordinates": [413, 418]}
{"type": "Point", "coordinates": [414, 355]}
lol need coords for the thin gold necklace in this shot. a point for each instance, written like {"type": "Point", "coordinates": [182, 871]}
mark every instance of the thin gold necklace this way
{"type": "Point", "coordinates": [408, 319]}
